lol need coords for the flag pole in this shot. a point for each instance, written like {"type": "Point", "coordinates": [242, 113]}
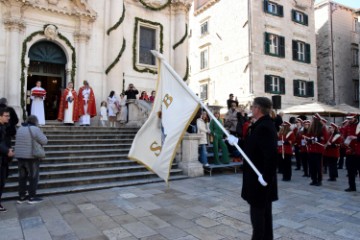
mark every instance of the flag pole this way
{"type": "Point", "coordinates": [197, 99]}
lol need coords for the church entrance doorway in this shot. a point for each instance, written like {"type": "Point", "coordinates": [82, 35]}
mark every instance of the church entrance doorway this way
{"type": "Point", "coordinates": [47, 64]}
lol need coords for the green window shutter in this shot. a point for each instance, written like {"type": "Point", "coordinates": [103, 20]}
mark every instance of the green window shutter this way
{"type": "Point", "coordinates": [282, 85]}
{"type": "Point", "coordinates": [310, 89]}
{"type": "Point", "coordinates": [296, 88]}
{"type": "Point", "coordinates": [268, 88]}
{"type": "Point", "coordinates": [307, 53]}
{"type": "Point", "coordinates": [293, 15]}
{"type": "Point", "coordinates": [294, 50]}
{"type": "Point", "coordinates": [282, 47]}
{"type": "Point", "coordinates": [280, 10]}
{"type": "Point", "coordinates": [266, 6]}
{"type": "Point", "coordinates": [306, 20]}
{"type": "Point", "coordinates": [267, 43]}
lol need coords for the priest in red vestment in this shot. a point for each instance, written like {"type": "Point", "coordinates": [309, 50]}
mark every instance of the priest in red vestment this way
{"type": "Point", "coordinates": [87, 105]}
{"type": "Point", "coordinates": [68, 109]}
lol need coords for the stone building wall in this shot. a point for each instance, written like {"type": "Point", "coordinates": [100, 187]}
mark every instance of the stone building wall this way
{"type": "Point", "coordinates": [338, 79]}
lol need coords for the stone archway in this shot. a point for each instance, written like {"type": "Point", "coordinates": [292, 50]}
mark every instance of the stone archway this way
{"type": "Point", "coordinates": [47, 62]}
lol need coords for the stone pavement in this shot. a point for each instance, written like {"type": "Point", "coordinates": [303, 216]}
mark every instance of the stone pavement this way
{"type": "Point", "coordinates": [199, 208]}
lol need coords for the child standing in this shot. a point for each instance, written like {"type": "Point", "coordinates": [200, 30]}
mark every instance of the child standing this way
{"type": "Point", "coordinates": [103, 114]}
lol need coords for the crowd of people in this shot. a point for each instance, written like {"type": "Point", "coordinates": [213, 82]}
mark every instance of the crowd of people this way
{"type": "Point", "coordinates": [316, 146]}
{"type": "Point", "coordinates": [81, 106]}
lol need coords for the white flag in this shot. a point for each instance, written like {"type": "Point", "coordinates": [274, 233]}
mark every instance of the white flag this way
{"type": "Point", "coordinates": [174, 107]}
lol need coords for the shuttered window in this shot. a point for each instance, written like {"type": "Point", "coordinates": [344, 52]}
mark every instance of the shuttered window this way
{"type": "Point", "coordinates": [300, 17]}
{"type": "Point", "coordinates": [303, 88]}
{"type": "Point", "coordinates": [274, 84]}
{"type": "Point", "coordinates": [301, 51]}
{"type": "Point", "coordinates": [273, 8]}
{"type": "Point", "coordinates": [274, 45]}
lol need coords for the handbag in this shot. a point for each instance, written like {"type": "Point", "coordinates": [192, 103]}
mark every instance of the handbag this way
{"type": "Point", "coordinates": [37, 150]}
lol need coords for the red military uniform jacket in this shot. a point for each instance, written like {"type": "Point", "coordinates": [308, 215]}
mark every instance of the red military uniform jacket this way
{"type": "Point", "coordinates": [289, 140]}
{"type": "Point", "coordinates": [318, 144]}
{"type": "Point", "coordinates": [352, 145]}
{"type": "Point", "coordinates": [333, 146]}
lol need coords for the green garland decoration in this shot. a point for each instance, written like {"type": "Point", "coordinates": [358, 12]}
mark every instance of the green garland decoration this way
{"type": "Point", "coordinates": [155, 8]}
{"type": "Point", "coordinates": [23, 52]}
{"type": "Point", "coordinates": [118, 23]}
{"type": "Point", "coordinates": [182, 39]}
{"type": "Point", "coordinates": [187, 70]}
{"type": "Point", "coordinates": [117, 58]}
{"type": "Point", "coordinates": [137, 20]}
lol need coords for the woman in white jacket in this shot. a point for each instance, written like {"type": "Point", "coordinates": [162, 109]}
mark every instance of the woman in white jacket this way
{"type": "Point", "coordinates": [203, 129]}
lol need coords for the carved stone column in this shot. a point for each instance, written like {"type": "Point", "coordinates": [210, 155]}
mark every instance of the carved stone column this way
{"type": "Point", "coordinates": [81, 39]}
{"type": "Point", "coordinates": [115, 41]}
{"type": "Point", "coordinates": [190, 156]}
{"type": "Point", "coordinates": [14, 27]}
{"type": "Point", "coordinates": [180, 12]}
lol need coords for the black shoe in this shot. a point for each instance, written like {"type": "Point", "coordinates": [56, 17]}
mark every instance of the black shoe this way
{"type": "Point", "coordinates": [35, 200]}
{"type": "Point", "coordinates": [21, 200]}
{"type": "Point", "coordinates": [350, 190]}
{"type": "Point", "coordinates": [332, 179]}
{"type": "Point", "coordinates": [296, 169]}
{"type": "Point", "coordinates": [318, 184]}
{"type": "Point", "coordinates": [340, 168]}
{"type": "Point", "coordinates": [305, 175]}
{"type": "Point", "coordinates": [2, 209]}
{"type": "Point", "coordinates": [313, 183]}
{"type": "Point", "coordinates": [286, 180]}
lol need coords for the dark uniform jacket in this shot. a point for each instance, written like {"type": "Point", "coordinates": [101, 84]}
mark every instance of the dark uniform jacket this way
{"type": "Point", "coordinates": [261, 148]}
{"type": "Point", "coordinates": [4, 149]}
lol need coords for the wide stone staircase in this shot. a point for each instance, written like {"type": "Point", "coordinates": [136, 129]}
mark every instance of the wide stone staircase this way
{"type": "Point", "coordinates": [87, 158]}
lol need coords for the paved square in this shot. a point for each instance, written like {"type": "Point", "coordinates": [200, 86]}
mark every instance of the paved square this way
{"type": "Point", "coordinates": [199, 208]}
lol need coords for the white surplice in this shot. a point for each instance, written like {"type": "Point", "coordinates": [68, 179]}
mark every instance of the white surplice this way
{"type": "Point", "coordinates": [37, 106]}
{"type": "Point", "coordinates": [85, 119]}
{"type": "Point", "coordinates": [68, 112]}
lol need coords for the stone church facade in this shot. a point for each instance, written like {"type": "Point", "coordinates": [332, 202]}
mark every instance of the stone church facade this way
{"type": "Point", "coordinates": [106, 43]}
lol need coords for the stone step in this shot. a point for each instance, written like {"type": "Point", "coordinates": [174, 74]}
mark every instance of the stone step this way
{"type": "Point", "coordinates": [89, 141]}
{"type": "Point", "coordinates": [79, 130]}
{"type": "Point", "coordinates": [98, 152]}
{"type": "Point", "coordinates": [93, 186]}
{"type": "Point", "coordinates": [83, 180]}
{"type": "Point", "coordinates": [73, 147]}
{"type": "Point", "coordinates": [89, 136]}
{"type": "Point", "coordinates": [59, 174]}
{"type": "Point", "coordinates": [78, 165]}
{"type": "Point", "coordinates": [83, 158]}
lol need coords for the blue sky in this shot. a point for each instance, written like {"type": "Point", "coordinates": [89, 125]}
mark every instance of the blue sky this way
{"type": "Point", "coordinates": [349, 3]}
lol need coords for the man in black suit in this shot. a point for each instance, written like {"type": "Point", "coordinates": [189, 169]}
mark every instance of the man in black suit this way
{"type": "Point", "coordinates": [261, 148]}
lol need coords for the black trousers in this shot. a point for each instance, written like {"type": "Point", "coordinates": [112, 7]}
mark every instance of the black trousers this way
{"type": "Point", "coordinates": [261, 221]}
{"type": "Point", "coordinates": [353, 168]}
{"type": "Point", "coordinates": [341, 159]}
{"type": "Point", "coordinates": [3, 175]}
{"type": "Point", "coordinates": [305, 162]}
{"type": "Point", "coordinates": [287, 167]}
{"type": "Point", "coordinates": [315, 167]}
{"type": "Point", "coordinates": [332, 164]}
{"type": "Point", "coordinates": [297, 157]}
{"type": "Point", "coordinates": [28, 172]}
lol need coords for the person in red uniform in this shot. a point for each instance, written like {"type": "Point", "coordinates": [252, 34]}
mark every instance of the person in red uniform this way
{"type": "Point", "coordinates": [286, 139]}
{"type": "Point", "coordinates": [316, 139]}
{"type": "Point", "coordinates": [303, 149]}
{"type": "Point", "coordinates": [68, 109]}
{"type": "Point", "coordinates": [332, 151]}
{"type": "Point", "coordinates": [352, 141]}
{"type": "Point", "coordinates": [299, 125]}
{"type": "Point", "coordinates": [87, 104]}
{"type": "Point", "coordinates": [343, 148]}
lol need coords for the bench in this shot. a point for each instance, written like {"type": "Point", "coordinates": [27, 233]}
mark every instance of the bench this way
{"type": "Point", "coordinates": [234, 165]}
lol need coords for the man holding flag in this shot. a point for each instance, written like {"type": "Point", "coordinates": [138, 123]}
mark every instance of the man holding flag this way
{"type": "Point", "coordinates": [175, 106]}
{"type": "Point", "coordinates": [261, 148]}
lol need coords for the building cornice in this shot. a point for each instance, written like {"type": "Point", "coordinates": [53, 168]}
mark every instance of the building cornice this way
{"type": "Point", "coordinates": [77, 8]}
{"type": "Point", "coordinates": [14, 24]}
{"type": "Point", "coordinates": [205, 7]}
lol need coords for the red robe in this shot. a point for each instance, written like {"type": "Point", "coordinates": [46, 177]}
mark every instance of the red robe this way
{"type": "Point", "coordinates": [91, 110]}
{"type": "Point", "coordinates": [64, 105]}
